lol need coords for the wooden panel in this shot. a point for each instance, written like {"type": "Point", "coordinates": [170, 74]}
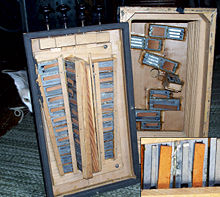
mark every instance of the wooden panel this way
{"type": "Point", "coordinates": [198, 165]}
{"type": "Point", "coordinates": [171, 121]}
{"type": "Point", "coordinates": [164, 167]}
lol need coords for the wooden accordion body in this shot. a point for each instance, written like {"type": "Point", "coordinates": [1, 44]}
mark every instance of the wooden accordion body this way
{"type": "Point", "coordinates": [81, 104]}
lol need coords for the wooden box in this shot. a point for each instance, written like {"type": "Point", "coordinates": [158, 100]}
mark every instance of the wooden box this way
{"type": "Point", "coordinates": [180, 167]}
{"type": "Point", "coordinates": [182, 45]}
{"type": "Point", "coordinates": [82, 94]}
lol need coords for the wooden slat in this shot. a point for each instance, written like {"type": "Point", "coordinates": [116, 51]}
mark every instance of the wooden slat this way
{"type": "Point", "coordinates": [82, 118]}
{"type": "Point", "coordinates": [92, 121]}
{"type": "Point", "coordinates": [164, 167]}
{"type": "Point", "coordinates": [198, 165]}
{"type": "Point", "coordinates": [189, 192]}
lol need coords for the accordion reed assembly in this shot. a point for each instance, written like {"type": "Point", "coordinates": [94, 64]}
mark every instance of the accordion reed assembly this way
{"type": "Point", "coordinates": [81, 84]}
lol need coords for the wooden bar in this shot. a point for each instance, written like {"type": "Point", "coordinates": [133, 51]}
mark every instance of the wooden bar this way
{"type": "Point", "coordinates": [82, 99]}
{"type": "Point", "coordinates": [91, 118]}
{"type": "Point", "coordinates": [198, 165]}
{"type": "Point", "coordinates": [164, 167]}
{"type": "Point", "coordinates": [189, 192]}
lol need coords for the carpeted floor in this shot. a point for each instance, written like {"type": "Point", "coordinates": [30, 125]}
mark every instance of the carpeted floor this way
{"type": "Point", "coordinates": [20, 169]}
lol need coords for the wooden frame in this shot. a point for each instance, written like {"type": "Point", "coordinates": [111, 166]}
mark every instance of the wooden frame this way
{"type": "Point", "coordinates": [175, 192]}
{"type": "Point", "coordinates": [86, 44]}
{"type": "Point", "coordinates": [196, 94]}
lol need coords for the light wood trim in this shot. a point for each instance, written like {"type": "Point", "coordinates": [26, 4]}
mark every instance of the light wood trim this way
{"type": "Point", "coordinates": [127, 12]}
{"type": "Point", "coordinates": [82, 100]}
{"type": "Point", "coordinates": [161, 140]}
{"type": "Point", "coordinates": [189, 192]}
{"type": "Point", "coordinates": [92, 120]}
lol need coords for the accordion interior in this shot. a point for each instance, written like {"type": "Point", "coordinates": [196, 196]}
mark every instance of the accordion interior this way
{"type": "Point", "coordinates": [82, 86]}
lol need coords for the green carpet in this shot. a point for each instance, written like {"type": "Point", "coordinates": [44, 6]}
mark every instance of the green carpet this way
{"type": "Point", "coordinates": [20, 168]}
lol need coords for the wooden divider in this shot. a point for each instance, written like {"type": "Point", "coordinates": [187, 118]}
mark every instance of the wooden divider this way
{"type": "Point", "coordinates": [164, 167]}
{"type": "Point", "coordinates": [198, 165]}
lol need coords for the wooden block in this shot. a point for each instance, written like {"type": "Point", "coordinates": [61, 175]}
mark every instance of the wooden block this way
{"type": "Point", "coordinates": [46, 43]}
{"type": "Point", "coordinates": [198, 165]}
{"type": "Point", "coordinates": [164, 167]}
{"type": "Point", "coordinates": [63, 41]}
